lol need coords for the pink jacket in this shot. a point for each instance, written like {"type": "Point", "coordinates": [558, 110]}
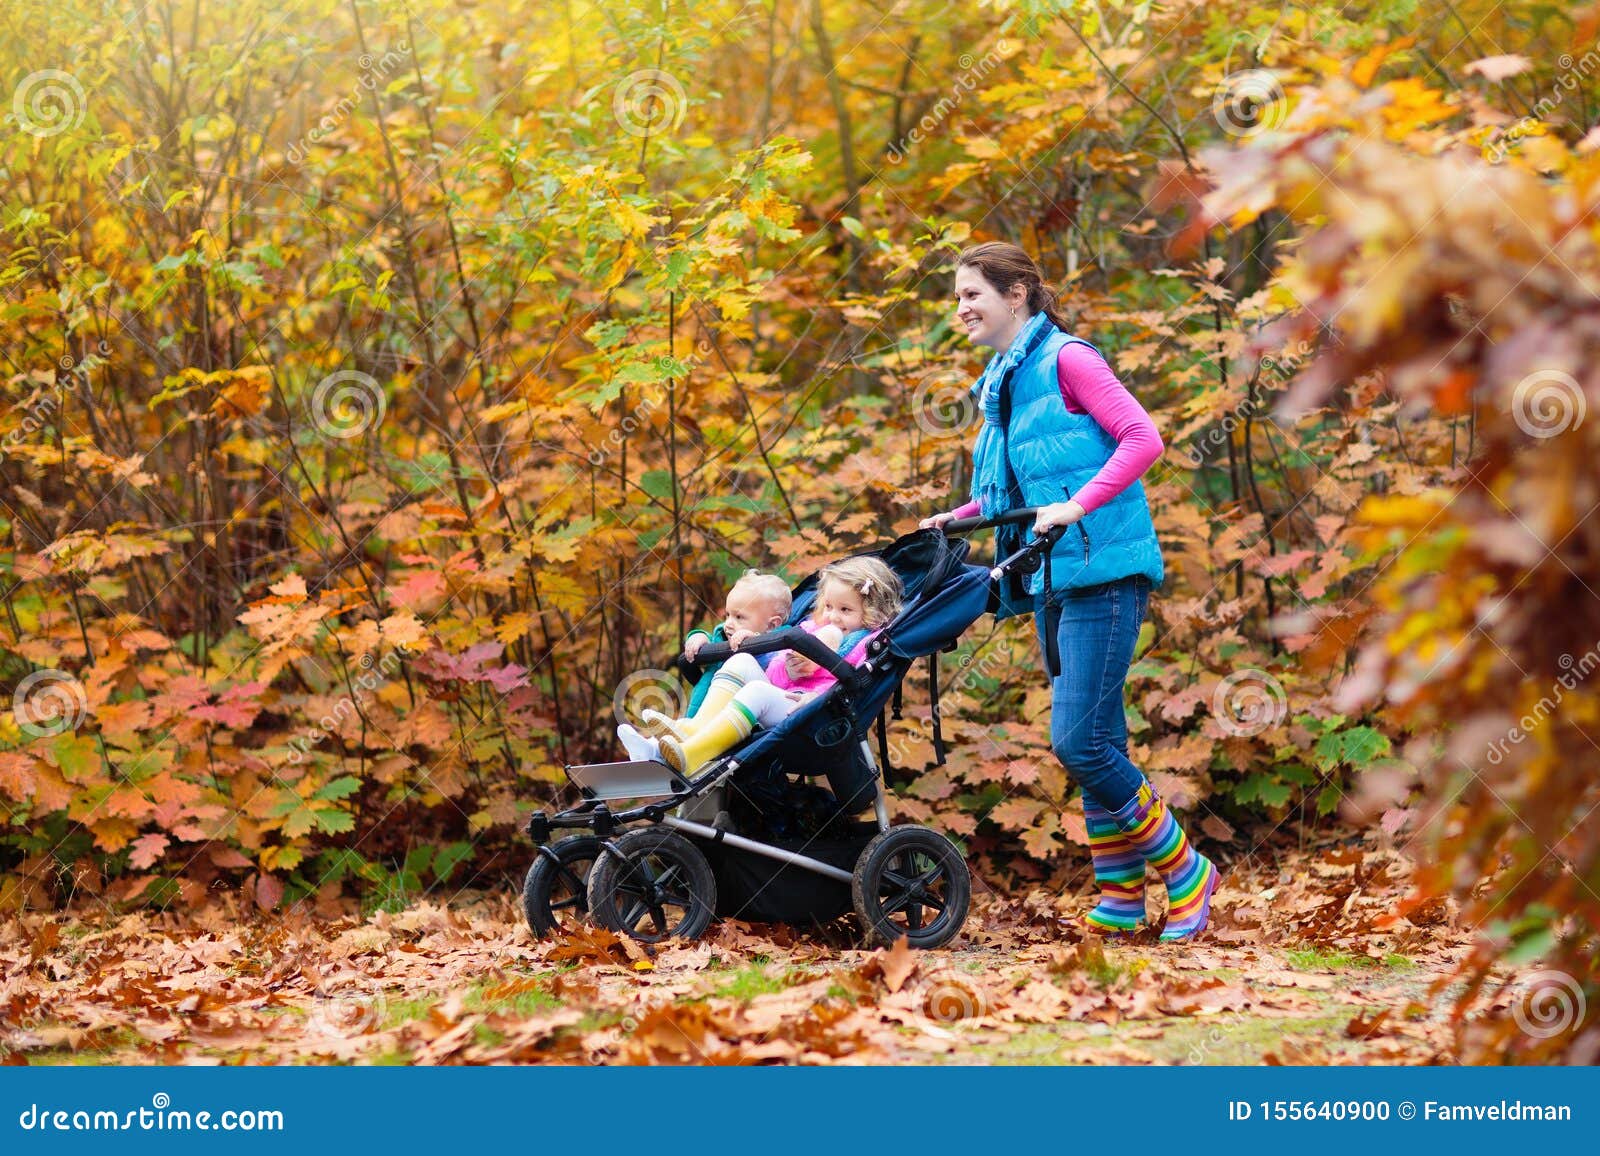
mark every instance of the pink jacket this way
{"type": "Point", "coordinates": [819, 679]}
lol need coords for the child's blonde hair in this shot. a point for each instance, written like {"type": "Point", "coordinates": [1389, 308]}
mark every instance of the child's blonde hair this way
{"type": "Point", "coordinates": [878, 586]}
{"type": "Point", "coordinates": [771, 589]}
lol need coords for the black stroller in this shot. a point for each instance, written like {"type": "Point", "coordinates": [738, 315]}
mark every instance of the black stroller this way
{"type": "Point", "coordinates": [750, 836]}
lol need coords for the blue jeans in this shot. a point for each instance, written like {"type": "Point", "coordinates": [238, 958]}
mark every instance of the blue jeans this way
{"type": "Point", "coordinates": [1096, 629]}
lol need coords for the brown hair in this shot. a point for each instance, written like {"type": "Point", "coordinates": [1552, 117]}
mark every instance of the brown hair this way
{"type": "Point", "coordinates": [1003, 265]}
{"type": "Point", "coordinates": [878, 586]}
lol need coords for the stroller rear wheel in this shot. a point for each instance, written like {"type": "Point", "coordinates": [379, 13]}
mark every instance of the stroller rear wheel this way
{"type": "Point", "coordinates": [653, 884]}
{"type": "Point", "coordinates": [911, 881]}
{"type": "Point", "coordinates": [555, 893]}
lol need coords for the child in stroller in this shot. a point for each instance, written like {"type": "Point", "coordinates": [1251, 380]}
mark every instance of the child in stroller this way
{"type": "Point", "coordinates": [756, 603]}
{"type": "Point", "coordinates": [855, 598]}
{"type": "Point", "coordinates": [657, 868]}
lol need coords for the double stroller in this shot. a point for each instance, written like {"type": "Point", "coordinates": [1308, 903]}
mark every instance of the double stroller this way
{"type": "Point", "coordinates": [751, 835]}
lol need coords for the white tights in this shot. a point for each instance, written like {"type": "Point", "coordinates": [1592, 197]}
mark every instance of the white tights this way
{"type": "Point", "coordinates": [769, 704]}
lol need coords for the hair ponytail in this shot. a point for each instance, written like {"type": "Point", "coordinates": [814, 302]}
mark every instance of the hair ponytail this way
{"type": "Point", "coordinates": [1005, 265]}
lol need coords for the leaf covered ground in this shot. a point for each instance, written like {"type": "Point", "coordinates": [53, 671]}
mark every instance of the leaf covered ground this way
{"type": "Point", "coordinates": [1308, 961]}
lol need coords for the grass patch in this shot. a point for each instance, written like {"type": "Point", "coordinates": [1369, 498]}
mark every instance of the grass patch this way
{"type": "Point", "coordinates": [1322, 959]}
{"type": "Point", "coordinates": [1226, 1039]}
{"type": "Point", "coordinates": [399, 1011]}
{"type": "Point", "coordinates": [750, 981]}
{"type": "Point", "coordinates": [522, 996]}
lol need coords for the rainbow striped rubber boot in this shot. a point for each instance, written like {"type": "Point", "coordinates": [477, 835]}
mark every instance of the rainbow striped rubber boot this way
{"type": "Point", "coordinates": [1190, 877]}
{"type": "Point", "coordinates": [1118, 869]}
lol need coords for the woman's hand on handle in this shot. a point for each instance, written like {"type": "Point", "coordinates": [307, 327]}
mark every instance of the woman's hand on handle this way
{"type": "Point", "coordinates": [1057, 514]}
{"type": "Point", "coordinates": [937, 520]}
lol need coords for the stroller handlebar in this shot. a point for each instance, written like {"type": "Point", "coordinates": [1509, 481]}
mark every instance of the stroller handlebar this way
{"type": "Point", "coordinates": [819, 652]}
{"type": "Point", "coordinates": [1021, 515]}
{"type": "Point", "coordinates": [786, 638]}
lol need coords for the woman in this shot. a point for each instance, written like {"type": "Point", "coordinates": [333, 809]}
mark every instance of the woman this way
{"type": "Point", "coordinates": [1060, 432]}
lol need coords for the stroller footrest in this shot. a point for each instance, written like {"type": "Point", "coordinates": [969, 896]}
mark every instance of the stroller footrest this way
{"type": "Point", "coordinates": [632, 780]}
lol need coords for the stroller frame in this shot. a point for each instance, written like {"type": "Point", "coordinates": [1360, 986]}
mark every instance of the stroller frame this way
{"type": "Point", "coordinates": [920, 866]}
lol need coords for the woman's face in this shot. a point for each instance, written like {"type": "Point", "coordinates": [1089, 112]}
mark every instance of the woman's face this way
{"type": "Point", "coordinates": [983, 313]}
{"type": "Point", "coordinates": [840, 604]}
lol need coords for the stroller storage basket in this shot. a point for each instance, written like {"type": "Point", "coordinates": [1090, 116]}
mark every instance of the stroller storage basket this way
{"type": "Point", "coordinates": [763, 890]}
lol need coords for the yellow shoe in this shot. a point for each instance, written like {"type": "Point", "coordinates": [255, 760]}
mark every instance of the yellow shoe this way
{"type": "Point", "coordinates": [727, 729]}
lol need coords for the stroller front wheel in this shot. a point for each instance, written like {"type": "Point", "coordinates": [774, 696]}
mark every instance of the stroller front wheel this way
{"type": "Point", "coordinates": [556, 888]}
{"type": "Point", "coordinates": [911, 881]}
{"type": "Point", "coordinates": [653, 884]}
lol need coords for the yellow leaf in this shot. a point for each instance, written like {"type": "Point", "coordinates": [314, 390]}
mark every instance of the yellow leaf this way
{"type": "Point", "coordinates": [513, 627]}
{"type": "Point", "coordinates": [498, 413]}
{"type": "Point", "coordinates": [403, 629]}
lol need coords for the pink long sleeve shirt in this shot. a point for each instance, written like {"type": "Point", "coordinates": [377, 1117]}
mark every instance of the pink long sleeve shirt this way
{"type": "Point", "coordinates": [778, 672]}
{"type": "Point", "coordinates": [1088, 385]}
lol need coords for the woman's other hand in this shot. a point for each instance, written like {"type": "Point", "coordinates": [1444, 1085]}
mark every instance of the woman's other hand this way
{"type": "Point", "coordinates": [1057, 514]}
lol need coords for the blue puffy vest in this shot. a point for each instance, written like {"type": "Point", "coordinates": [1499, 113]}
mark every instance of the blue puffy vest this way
{"type": "Point", "coordinates": [1054, 453]}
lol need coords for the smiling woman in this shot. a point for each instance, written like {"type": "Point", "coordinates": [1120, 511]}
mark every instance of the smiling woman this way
{"type": "Point", "coordinates": [1061, 433]}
